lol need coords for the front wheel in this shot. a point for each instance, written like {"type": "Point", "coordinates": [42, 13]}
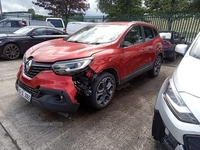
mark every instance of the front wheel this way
{"type": "Point", "coordinates": [103, 90]}
{"type": "Point", "coordinates": [156, 67]}
{"type": "Point", "coordinates": [11, 51]}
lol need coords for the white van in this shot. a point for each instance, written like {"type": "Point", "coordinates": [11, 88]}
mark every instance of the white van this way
{"type": "Point", "coordinates": [72, 27]}
{"type": "Point", "coordinates": [58, 23]}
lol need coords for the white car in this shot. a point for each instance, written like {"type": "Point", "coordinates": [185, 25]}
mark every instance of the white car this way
{"type": "Point", "coordinates": [58, 23]}
{"type": "Point", "coordinates": [72, 27]}
{"type": "Point", "coordinates": [176, 119]}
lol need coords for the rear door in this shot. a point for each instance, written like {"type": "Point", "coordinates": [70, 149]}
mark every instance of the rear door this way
{"type": "Point", "coordinates": [149, 53]}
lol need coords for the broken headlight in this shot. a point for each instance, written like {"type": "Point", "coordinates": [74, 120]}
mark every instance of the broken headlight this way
{"type": "Point", "coordinates": [71, 67]}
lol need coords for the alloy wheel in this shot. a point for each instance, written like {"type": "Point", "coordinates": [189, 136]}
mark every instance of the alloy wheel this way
{"type": "Point", "coordinates": [11, 51]}
{"type": "Point", "coordinates": [105, 91]}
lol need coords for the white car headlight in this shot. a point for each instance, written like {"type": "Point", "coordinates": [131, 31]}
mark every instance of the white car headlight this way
{"type": "Point", "coordinates": [177, 105]}
{"type": "Point", "coordinates": [71, 67]}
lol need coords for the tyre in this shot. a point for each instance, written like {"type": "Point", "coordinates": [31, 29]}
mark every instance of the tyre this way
{"type": "Point", "coordinates": [156, 67]}
{"type": "Point", "coordinates": [11, 51]}
{"type": "Point", "coordinates": [103, 90]}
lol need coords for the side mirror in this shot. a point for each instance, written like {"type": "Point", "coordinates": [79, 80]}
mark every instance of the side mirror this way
{"type": "Point", "coordinates": [125, 44]}
{"type": "Point", "coordinates": [181, 49]}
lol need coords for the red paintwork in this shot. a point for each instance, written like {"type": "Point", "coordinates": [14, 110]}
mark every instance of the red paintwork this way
{"type": "Point", "coordinates": [123, 60]}
{"type": "Point", "coordinates": [56, 50]}
{"type": "Point", "coordinates": [49, 80]}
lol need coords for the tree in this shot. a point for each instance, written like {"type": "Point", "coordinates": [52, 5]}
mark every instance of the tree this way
{"type": "Point", "coordinates": [60, 8]}
{"type": "Point", "coordinates": [167, 6]}
{"type": "Point", "coordinates": [36, 16]}
{"type": "Point", "coordinates": [120, 7]}
{"type": "Point", "coordinates": [195, 5]}
{"type": "Point", "coordinates": [32, 11]}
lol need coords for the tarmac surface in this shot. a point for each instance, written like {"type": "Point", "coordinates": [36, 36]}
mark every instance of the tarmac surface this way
{"type": "Point", "coordinates": [124, 125]}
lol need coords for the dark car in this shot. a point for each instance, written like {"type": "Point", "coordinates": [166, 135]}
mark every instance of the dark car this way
{"type": "Point", "coordinates": [16, 44]}
{"type": "Point", "coordinates": [90, 64]}
{"type": "Point", "coordinates": [171, 38]}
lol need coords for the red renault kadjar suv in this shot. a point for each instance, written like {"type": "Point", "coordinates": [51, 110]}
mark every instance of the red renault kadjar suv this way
{"type": "Point", "coordinates": [89, 64]}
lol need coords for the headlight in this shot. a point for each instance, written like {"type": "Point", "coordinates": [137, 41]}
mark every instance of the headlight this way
{"type": "Point", "coordinates": [177, 105]}
{"type": "Point", "coordinates": [71, 67]}
{"type": "Point", "coordinates": [24, 59]}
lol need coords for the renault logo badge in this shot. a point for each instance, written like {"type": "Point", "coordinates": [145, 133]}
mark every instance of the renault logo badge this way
{"type": "Point", "coordinates": [28, 65]}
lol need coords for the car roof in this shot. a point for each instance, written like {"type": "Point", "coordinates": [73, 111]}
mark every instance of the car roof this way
{"type": "Point", "coordinates": [35, 26]}
{"type": "Point", "coordinates": [55, 18]}
{"type": "Point", "coordinates": [13, 19]}
{"type": "Point", "coordinates": [127, 23]}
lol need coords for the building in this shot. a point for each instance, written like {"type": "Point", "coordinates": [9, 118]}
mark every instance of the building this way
{"type": "Point", "coordinates": [17, 14]}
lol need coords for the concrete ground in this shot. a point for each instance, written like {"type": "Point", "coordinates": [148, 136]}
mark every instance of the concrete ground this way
{"type": "Point", "coordinates": [124, 125]}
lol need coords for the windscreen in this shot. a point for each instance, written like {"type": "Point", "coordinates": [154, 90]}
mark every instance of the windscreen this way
{"type": "Point", "coordinates": [97, 34]}
{"type": "Point", "coordinates": [24, 30]}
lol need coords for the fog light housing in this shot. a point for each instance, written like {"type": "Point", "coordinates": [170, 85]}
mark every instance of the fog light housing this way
{"type": "Point", "coordinates": [58, 98]}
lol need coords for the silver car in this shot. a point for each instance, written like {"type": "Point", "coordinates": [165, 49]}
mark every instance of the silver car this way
{"type": "Point", "coordinates": [176, 119]}
{"type": "Point", "coordinates": [9, 25]}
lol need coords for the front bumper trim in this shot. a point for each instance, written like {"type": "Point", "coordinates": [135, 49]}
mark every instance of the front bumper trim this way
{"type": "Point", "coordinates": [50, 99]}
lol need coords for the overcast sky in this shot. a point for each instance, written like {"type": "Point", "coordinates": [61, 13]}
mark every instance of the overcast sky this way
{"type": "Point", "coordinates": [24, 5]}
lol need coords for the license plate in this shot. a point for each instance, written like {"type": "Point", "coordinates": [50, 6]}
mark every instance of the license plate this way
{"type": "Point", "coordinates": [24, 93]}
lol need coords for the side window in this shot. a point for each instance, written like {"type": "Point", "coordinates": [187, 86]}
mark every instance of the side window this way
{"type": "Point", "coordinates": [148, 33]}
{"type": "Point", "coordinates": [7, 24]}
{"type": "Point", "coordinates": [41, 31]}
{"type": "Point", "coordinates": [53, 32]}
{"type": "Point", "coordinates": [56, 22]}
{"type": "Point", "coordinates": [15, 24]}
{"type": "Point", "coordinates": [134, 36]}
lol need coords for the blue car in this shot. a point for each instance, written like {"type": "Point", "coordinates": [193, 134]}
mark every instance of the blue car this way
{"type": "Point", "coordinates": [171, 39]}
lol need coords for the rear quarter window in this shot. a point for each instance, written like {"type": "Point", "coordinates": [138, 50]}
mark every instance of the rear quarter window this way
{"type": "Point", "coordinates": [155, 32]}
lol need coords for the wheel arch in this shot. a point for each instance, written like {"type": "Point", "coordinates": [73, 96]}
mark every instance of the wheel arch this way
{"type": "Point", "coordinates": [12, 43]}
{"type": "Point", "coordinates": [114, 73]}
{"type": "Point", "coordinates": [161, 55]}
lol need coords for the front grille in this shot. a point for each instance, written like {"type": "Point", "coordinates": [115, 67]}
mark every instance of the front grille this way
{"type": "Point", "coordinates": [192, 142]}
{"type": "Point", "coordinates": [36, 68]}
{"type": "Point", "coordinates": [33, 92]}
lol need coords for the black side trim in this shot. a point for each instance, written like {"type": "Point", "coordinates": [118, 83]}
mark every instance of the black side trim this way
{"type": "Point", "coordinates": [158, 128]}
{"type": "Point", "coordinates": [137, 72]}
{"type": "Point", "coordinates": [50, 99]}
